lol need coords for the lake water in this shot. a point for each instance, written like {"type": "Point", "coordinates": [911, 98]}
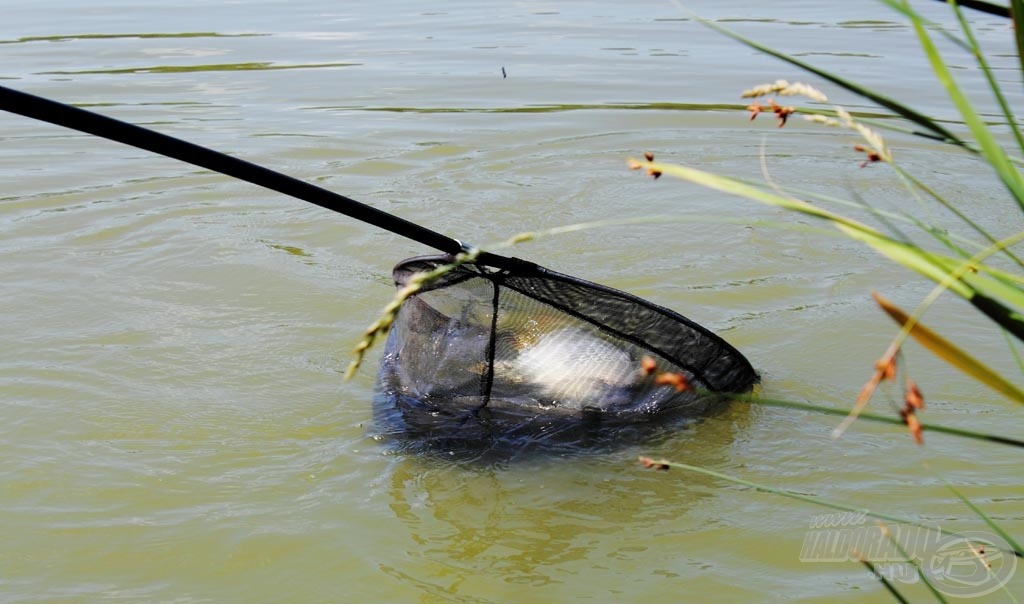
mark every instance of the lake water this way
{"type": "Point", "coordinates": [175, 426]}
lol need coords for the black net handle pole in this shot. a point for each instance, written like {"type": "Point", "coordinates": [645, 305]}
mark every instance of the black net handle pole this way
{"type": "Point", "coordinates": [75, 118]}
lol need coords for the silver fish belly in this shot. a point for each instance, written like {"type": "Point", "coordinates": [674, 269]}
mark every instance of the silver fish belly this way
{"type": "Point", "coordinates": [576, 369]}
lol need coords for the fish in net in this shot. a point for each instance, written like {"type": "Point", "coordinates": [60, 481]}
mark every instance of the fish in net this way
{"type": "Point", "coordinates": [488, 350]}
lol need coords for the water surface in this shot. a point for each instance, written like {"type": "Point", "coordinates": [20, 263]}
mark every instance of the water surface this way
{"type": "Point", "coordinates": [175, 424]}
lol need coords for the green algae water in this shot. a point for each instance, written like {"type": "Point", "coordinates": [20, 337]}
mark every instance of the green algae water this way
{"type": "Point", "coordinates": [175, 427]}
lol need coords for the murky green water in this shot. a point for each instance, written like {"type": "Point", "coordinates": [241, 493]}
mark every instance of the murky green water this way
{"type": "Point", "coordinates": [175, 427]}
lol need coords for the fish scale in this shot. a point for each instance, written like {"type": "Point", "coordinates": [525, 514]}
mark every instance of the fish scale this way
{"type": "Point", "coordinates": [575, 368]}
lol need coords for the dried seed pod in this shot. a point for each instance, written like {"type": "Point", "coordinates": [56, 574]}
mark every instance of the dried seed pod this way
{"type": "Point", "coordinates": [676, 380]}
{"type": "Point", "coordinates": [660, 465]}
{"type": "Point", "coordinates": [913, 396]}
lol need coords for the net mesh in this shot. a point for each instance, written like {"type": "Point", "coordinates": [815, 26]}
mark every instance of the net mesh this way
{"type": "Point", "coordinates": [531, 343]}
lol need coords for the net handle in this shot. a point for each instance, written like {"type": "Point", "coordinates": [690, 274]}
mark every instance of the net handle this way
{"type": "Point", "coordinates": [75, 118]}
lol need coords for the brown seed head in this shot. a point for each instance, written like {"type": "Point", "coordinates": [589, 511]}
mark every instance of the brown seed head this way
{"type": "Point", "coordinates": [913, 425]}
{"type": "Point", "coordinates": [754, 108]}
{"type": "Point", "coordinates": [783, 114]}
{"type": "Point", "coordinates": [661, 464]}
{"type": "Point", "coordinates": [676, 380]}
{"type": "Point", "coordinates": [912, 395]}
{"type": "Point", "coordinates": [887, 367]}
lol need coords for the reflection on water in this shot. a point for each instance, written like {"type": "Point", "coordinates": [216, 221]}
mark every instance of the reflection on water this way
{"type": "Point", "coordinates": [66, 38]}
{"type": "Point", "coordinates": [547, 520]}
{"type": "Point", "coordinates": [263, 66]}
{"type": "Point", "coordinates": [489, 437]}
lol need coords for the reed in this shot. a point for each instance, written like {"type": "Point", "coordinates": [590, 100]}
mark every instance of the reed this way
{"type": "Point", "coordinates": [963, 263]}
{"type": "Point", "coordinates": [973, 263]}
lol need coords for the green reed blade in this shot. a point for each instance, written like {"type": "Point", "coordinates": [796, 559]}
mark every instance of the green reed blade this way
{"type": "Point", "coordinates": [889, 103]}
{"type": "Point", "coordinates": [952, 354]}
{"type": "Point", "coordinates": [997, 91]}
{"type": "Point", "coordinates": [990, 148]}
{"type": "Point", "coordinates": [917, 566]}
{"type": "Point", "coordinates": [952, 208]}
{"type": "Point", "coordinates": [751, 399]}
{"type": "Point", "coordinates": [1017, 12]}
{"type": "Point", "coordinates": [888, 585]}
{"type": "Point", "coordinates": [991, 523]}
{"type": "Point", "coordinates": [985, 294]}
{"type": "Point", "coordinates": [665, 464]}
{"type": "Point", "coordinates": [909, 256]}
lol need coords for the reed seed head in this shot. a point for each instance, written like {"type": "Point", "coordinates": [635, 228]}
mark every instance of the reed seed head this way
{"type": "Point", "coordinates": [784, 88]}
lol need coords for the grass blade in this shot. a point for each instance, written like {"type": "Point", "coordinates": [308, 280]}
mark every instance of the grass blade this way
{"type": "Point", "coordinates": [947, 351]}
{"type": "Point", "coordinates": [1014, 351]}
{"type": "Point", "coordinates": [986, 295]}
{"type": "Point", "coordinates": [893, 105]}
{"type": "Point", "coordinates": [979, 56]}
{"type": "Point", "coordinates": [953, 209]}
{"type": "Point", "coordinates": [1017, 13]}
{"type": "Point", "coordinates": [917, 566]}
{"type": "Point", "coordinates": [666, 464]}
{"type": "Point", "coordinates": [888, 585]}
{"type": "Point", "coordinates": [991, 523]}
{"type": "Point", "coordinates": [990, 148]}
{"type": "Point", "coordinates": [986, 280]}
{"type": "Point", "coordinates": [876, 417]}
{"type": "Point", "coordinates": [906, 255]}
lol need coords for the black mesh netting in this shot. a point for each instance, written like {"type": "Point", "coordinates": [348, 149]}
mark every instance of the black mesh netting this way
{"type": "Point", "coordinates": [485, 349]}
